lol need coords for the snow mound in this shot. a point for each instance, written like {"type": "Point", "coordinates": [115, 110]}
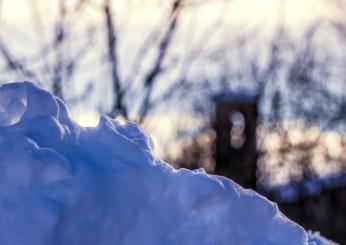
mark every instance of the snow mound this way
{"type": "Point", "coordinates": [61, 183]}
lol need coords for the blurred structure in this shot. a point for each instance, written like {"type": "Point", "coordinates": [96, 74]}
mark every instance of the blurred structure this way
{"type": "Point", "coordinates": [235, 127]}
{"type": "Point", "coordinates": [315, 203]}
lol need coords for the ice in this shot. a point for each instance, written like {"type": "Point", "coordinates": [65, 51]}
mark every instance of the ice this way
{"type": "Point", "coordinates": [61, 183]}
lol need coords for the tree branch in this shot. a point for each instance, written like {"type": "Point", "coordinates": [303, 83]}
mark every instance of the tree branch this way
{"type": "Point", "coordinates": [156, 69]}
{"type": "Point", "coordinates": [117, 107]}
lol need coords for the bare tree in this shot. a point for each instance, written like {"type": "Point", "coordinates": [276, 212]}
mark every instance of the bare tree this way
{"type": "Point", "coordinates": [132, 95]}
{"type": "Point", "coordinates": [53, 61]}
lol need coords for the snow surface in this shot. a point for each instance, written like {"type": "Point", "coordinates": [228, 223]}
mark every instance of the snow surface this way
{"type": "Point", "coordinates": [61, 183]}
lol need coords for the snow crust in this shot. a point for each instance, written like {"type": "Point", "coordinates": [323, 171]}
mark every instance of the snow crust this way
{"type": "Point", "coordinates": [61, 183]}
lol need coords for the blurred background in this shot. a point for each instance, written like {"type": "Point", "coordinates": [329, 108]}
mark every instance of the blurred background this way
{"type": "Point", "coordinates": [253, 90]}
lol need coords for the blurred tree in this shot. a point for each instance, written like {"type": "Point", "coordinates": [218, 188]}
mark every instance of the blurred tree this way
{"type": "Point", "coordinates": [53, 62]}
{"type": "Point", "coordinates": [55, 59]}
{"type": "Point", "coordinates": [300, 86]}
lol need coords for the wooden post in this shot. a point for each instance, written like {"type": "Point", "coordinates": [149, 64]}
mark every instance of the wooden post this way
{"type": "Point", "coordinates": [235, 127]}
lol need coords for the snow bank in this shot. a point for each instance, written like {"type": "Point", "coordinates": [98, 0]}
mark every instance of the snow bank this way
{"type": "Point", "coordinates": [61, 183]}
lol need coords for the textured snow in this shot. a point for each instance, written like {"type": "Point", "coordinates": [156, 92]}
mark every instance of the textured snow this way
{"type": "Point", "coordinates": [316, 238]}
{"type": "Point", "coordinates": [61, 183]}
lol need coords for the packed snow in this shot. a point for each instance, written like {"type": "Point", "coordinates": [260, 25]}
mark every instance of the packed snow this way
{"type": "Point", "coordinates": [61, 183]}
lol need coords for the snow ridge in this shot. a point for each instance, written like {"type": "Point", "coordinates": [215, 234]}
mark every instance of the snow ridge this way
{"type": "Point", "coordinates": [61, 183]}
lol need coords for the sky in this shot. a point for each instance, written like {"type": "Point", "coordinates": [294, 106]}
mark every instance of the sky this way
{"type": "Point", "coordinates": [135, 16]}
{"type": "Point", "coordinates": [297, 11]}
